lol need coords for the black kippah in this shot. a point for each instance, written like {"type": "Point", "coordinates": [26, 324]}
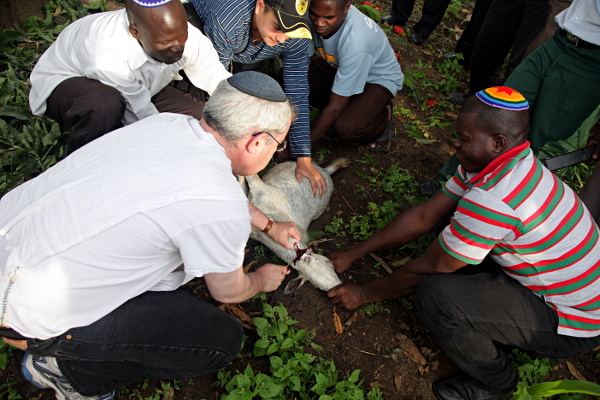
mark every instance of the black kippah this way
{"type": "Point", "coordinates": [258, 85]}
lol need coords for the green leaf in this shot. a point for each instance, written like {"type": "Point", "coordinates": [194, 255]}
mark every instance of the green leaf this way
{"type": "Point", "coordinates": [546, 389]}
{"type": "Point", "coordinates": [269, 390]}
{"type": "Point", "coordinates": [260, 323]}
{"type": "Point", "coordinates": [276, 362]}
{"type": "Point", "coordinates": [262, 343]}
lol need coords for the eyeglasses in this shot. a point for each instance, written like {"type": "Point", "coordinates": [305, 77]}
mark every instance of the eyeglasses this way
{"type": "Point", "coordinates": [280, 145]}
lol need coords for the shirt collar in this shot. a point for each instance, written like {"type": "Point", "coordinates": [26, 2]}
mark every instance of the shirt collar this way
{"type": "Point", "coordinates": [499, 162]}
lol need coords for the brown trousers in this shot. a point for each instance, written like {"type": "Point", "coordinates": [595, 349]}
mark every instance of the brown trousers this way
{"type": "Point", "coordinates": [91, 109]}
{"type": "Point", "coordinates": [365, 117]}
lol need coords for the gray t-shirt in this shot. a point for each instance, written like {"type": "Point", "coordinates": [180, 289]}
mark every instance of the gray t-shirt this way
{"type": "Point", "coordinates": [361, 53]}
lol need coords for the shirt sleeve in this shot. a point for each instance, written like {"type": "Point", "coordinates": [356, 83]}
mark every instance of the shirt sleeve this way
{"type": "Point", "coordinates": [456, 188]}
{"type": "Point", "coordinates": [202, 64]}
{"type": "Point", "coordinates": [295, 80]}
{"type": "Point", "coordinates": [352, 74]}
{"type": "Point", "coordinates": [213, 247]}
{"type": "Point", "coordinates": [480, 222]}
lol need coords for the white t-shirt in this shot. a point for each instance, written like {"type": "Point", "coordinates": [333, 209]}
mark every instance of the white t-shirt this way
{"type": "Point", "coordinates": [151, 204]}
{"type": "Point", "coordinates": [100, 47]}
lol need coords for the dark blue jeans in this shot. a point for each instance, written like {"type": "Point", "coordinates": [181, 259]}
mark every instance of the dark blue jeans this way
{"type": "Point", "coordinates": [157, 335]}
{"type": "Point", "coordinates": [468, 315]}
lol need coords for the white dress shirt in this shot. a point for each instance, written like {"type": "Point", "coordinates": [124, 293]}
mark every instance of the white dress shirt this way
{"type": "Point", "coordinates": [101, 47]}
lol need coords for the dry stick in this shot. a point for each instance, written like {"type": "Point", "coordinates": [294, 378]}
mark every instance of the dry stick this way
{"type": "Point", "coordinates": [355, 213]}
{"type": "Point", "coordinates": [383, 263]}
{"type": "Point", "coordinates": [366, 352]}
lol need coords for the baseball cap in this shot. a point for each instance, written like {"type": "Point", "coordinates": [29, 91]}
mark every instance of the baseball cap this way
{"type": "Point", "coordinates": [291, 15]}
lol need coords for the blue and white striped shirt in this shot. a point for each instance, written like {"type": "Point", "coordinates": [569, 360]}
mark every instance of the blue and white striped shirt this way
{"type": "Point", "coordinates": [228, 24]}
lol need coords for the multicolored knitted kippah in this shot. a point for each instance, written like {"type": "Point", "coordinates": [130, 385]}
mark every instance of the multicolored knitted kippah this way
{"type": "Point", "coordinates": [151, 3]}
{"type": "Point", "coordinates": [503, 97]}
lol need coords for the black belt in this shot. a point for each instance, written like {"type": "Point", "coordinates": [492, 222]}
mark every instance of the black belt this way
{"type": "Point", "coordinates": [575, 41]}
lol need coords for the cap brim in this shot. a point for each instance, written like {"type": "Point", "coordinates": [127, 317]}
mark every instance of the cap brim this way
{"type": "Point", "coordinates": [293, 26]}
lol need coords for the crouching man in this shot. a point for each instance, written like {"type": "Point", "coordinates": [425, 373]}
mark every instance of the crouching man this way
{"type": "Point", "coordinates": [94, 249]}
{"type": "Point", "coordinates": [541, 292]}
{"type": "Point", "coordinates": [354, 75]}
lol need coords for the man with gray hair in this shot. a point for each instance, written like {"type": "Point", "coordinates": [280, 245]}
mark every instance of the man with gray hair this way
{"type": "Point", "coordinates": [93, 250]}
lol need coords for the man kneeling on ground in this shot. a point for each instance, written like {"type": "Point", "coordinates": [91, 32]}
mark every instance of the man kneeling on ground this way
{"type": "Point", "coordinates": [113, 68]}
{"type": "Point", "coordinates": [94, 249]}
{"type": "Point", "coordinates": [511, 213]}
{"type": "Point", "coordinates": [354, 76]}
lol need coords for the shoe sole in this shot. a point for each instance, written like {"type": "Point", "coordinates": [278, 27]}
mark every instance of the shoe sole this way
{"type": "Point", "coordinates": [25, 370]}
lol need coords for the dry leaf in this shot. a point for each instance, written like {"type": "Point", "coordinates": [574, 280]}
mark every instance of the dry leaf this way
{"type": "Point", "coordinates": [58, 10]}
{"type": "Point", "coordinates": [574, 372]}
{"type": "Point", "coordinates": [249, 265]}
{"type": "Point", "coordinates": [398, 382]}
{"type": "Point", "coordinates": [373, 384]}
{"type": "Point", "coordinates": [411, 350]}
{"type": "Point", "coordinates": [337, 323]}
{"type": "Point", "coordinates": [404, 327]}
{"type": "Point", "coordinates": [351, 320]}
{"type": "Point", "coordinates": [451, 115]}
{"type": "Point", "coordinates": [400, 262]}
{"type": "Point", "coordinates": [234, 310]}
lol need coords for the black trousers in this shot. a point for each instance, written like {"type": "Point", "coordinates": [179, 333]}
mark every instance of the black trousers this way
{"type": "Point", "coordinates": [91, 109]}
{"type": "Point", "coordinates": [364, 118]}
{"type": "Point", "coordinates": [433, 13]}
{"type": "Point", "coordinates": [156, 335]}
{"type": "Point", "coordinates": [469, 315]}
{"type": "Point", "coordinates": [507, 24]}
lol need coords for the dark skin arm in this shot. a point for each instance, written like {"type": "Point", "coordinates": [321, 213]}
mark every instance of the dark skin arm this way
{"type": "Point", "coordinates": [406, 227]}
{"type": "Point", "coordinates": [328, 116]}
{"type": "Point", "coordinates": [401, 283]}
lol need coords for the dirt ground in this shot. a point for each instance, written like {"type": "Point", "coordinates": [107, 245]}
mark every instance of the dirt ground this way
{"type": "Point", "coordinates": [370, 341]}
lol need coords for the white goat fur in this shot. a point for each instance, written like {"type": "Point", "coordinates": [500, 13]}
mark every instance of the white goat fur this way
{"type": "Point", "coordinates": [282, 198]}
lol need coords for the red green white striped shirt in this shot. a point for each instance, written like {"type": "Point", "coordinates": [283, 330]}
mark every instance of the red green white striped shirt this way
{"type": "Point", "coordinates": [536, 228]}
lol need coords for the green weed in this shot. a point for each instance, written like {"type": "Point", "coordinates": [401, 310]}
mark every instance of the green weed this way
{"type": "Point", "coordinates": [376, 307]}
{"type": "Point", "coordinates": [293, 372]}
{"type": "Point", "coordinates": [30, 144]}
{"type": "Point", "coordinates": [533, 371]}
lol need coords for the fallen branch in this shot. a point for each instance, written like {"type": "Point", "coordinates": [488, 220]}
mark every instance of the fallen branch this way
{"type": "Point", "coordinates": [383, 263]}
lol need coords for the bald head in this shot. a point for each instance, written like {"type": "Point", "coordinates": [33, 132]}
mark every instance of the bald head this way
{"type": "Point", "coordinates": [514, 125]}
{"type": "Point", "coordinates": [161, 31]}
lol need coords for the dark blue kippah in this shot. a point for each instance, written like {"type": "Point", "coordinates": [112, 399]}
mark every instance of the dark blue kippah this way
{"type": "Point", "coordinates": [151, 3]}
{"type": "Point", "coordinates": [258, 85]}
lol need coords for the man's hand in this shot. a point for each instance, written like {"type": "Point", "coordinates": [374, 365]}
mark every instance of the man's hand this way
{"type": "Point", "coordinates": [282, 231]}
{"type": "Point", "coordinates": [595, 140]}
{"type": "Point", "coordinates": [347, 295]}
{"type": "Point", "coordinates": [306, 169]}
{"type": "Point", "coordinates": [272, 276]}
{"type": "Point", "coordinates": [342, 261]}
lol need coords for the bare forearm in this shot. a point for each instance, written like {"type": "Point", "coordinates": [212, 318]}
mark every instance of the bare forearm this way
{"type": "Point", "coordinates": [258, 218]}
{"type": "Point", "coordinates": [403, 282]}
{"type": "Point", "coordinates": [250, 284]}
